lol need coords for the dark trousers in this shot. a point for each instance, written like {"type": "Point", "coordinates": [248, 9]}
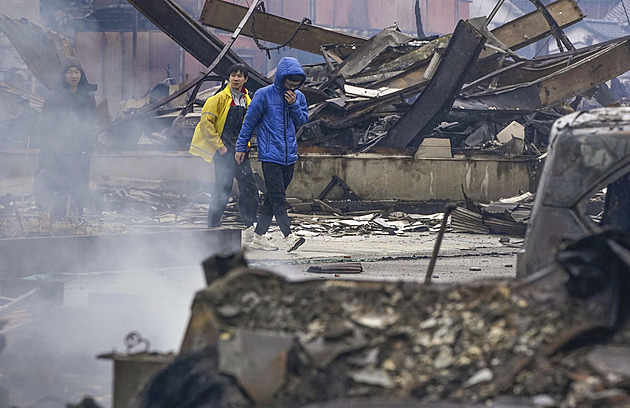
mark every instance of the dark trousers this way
{"type": "Point", "coordinates": [277, 179]}
{"type": "Point", "coordinates": [225, 171]}
{"type": "Point", "coordinates": [62, 179]}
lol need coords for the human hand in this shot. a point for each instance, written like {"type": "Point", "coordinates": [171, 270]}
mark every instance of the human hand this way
{"type": "Point", "coordinates": [290, 96]}
{"type": "Point", "coordinates": [222, 150]}
{"type": "Point", "coordinates": [239, 157]}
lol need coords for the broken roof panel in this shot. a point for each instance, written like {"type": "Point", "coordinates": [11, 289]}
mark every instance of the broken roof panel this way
{"type": "Point", "coordinates": [371, 52]}
{"type": "Point", "coordinates": [438, 97]}
{"type": "Point", "coordinates": [268, 27]}
{"type": "Point", "coordinates": [611, 60]}
{"type": "Point", "coordinates": [514, 35]}
{"type": "Point", "coordinates": [41, 49]}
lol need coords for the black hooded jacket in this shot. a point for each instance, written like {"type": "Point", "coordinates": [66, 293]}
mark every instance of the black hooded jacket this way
{"type": "Point", "coordinates": [68, 119]}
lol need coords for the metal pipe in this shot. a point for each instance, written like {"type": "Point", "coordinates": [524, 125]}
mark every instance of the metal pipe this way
{"type": "Point", "coordinates": [447, 212]}
{"type": "Point", "coordinates": [495, 10]}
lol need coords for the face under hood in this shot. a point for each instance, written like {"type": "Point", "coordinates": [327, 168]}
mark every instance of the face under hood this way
{"type": "Point", "coordinates": [287, 66]}
{"type": "Point", "coordinates": [74, 62]}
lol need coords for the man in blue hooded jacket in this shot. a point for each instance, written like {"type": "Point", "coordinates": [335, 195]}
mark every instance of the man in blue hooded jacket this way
{"type": "Point", "coordinates": [276, 111]}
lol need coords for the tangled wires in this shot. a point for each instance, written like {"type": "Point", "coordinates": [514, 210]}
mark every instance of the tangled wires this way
{"type": "Point", "coordinates": [261, 8]}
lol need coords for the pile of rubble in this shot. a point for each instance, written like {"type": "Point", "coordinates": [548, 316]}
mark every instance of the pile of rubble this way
{"type": "Point", "coordinates": [141, 207]}
{"type": "Point", "coordinates": [290, 344]}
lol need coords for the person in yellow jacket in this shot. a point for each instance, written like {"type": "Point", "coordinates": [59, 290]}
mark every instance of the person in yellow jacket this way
{"type": "Point", "coordinates": [214, 139]}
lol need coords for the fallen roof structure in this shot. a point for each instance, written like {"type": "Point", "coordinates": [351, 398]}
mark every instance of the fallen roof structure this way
{"type": "Point", "coordinates": [268, 27]}
{"type": "Point", "coordinates": [568, 76]}
{"type": "Point", "coordinates": [41, 49]}
{"type": "Point", "coordinates": [199, 42]}
{"type": "Point", "coordinates": [512, 35]}
{"type": "Point", "coordinates": [437, 98]}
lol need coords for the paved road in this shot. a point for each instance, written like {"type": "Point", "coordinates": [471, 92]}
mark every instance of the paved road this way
{"type": "Point", "coordinates": [392, 257]}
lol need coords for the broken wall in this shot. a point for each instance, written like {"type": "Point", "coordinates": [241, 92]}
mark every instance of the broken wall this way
{"type": "Point", "coordinates": [381, 177]}
{"type": "Point", "coordinates": [371, 176]}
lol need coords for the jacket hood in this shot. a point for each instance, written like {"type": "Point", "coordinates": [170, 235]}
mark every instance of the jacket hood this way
{"type": "Point", "coordinates": [287, 66]}
{"type": "Point", "coordinates": [83, 82]}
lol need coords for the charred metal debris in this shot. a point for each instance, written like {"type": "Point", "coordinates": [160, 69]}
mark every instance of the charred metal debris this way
{"type": "Point", "coordinates": [392, 92]}
{"type": "Point", "coordinates": [388, 93]}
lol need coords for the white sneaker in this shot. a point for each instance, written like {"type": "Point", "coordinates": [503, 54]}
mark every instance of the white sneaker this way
{"type": "Point", "coordinates": [248, 234]}
{"type": "Point", "coordinates": [293, 242]}
{"type": "Point", "coordinates": [261, 242]}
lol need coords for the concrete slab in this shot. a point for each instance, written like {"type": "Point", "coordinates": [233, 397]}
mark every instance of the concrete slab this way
{"type": "Point", "coordinates": [434, 148]}
{"type": "Point", "coordinates": [371, 176]}
{"type": "Point", "coordinates": [393, 257]}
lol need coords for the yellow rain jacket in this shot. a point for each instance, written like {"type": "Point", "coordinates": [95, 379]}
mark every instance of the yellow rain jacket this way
{"type": "Point", "coordinates": [207, 137]}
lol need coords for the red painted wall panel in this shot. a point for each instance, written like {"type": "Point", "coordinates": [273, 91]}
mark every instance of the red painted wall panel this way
{"type": "Point", "coordinates": [439, 16]}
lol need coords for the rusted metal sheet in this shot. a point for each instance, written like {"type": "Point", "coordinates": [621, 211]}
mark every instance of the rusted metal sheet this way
{"type": "Point", "coordinates": [368, 53]}
{"type": "Point", "coordinates": [515, 34]}
{"type": "Point", "coordinates": [41, 49]}
{"type": "Point", "coordinates": [268, 27]}
{"type": "Point", "coordinates": [438, 97]}
{"type": "Point", "coordinates": [609, 62]}
{"type": "Point", "coordinates": [589, 151]}
{"type": "Point", "coordinates": [193, 37]}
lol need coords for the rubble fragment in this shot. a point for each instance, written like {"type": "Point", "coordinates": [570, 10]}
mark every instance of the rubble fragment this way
{"type": "Point", "coordinates": [480, 342]}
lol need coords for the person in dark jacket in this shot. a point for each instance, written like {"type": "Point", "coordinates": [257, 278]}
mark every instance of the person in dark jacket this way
{"type": "Point", "coordinates": [276, 112]}
{"type": "Point", "coordinates": [66, 143]}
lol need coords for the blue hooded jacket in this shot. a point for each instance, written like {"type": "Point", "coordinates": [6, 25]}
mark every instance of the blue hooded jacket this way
{"type": "Point", "coordinates": [275, 119]}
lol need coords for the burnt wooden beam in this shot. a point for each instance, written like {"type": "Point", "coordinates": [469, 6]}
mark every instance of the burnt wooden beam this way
{"type": "Point", "coordinates": [268, 27]}
{"type": "Point", "coordinates": [440, 93]}
{"type": "Point", "coordinates": [609, 62]}
{"type": "Point", "coordinates": [533, 27]}
{"type": "Point", "coordinates": [194, 38]}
